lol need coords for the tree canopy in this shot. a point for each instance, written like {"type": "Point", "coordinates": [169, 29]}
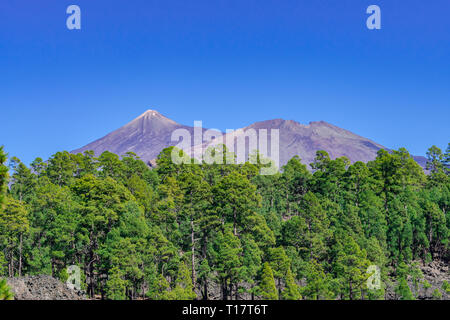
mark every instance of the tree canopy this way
{"type": "Point", "coordinates": [223, 231]}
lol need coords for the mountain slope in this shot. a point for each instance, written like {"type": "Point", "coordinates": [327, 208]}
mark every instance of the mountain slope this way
{"type": "Point", "coordinates": [305, 140]}
{"type": "Point", "coordinates": [146, 136]}
{"type": "Point", "coordinates": [151, 132]}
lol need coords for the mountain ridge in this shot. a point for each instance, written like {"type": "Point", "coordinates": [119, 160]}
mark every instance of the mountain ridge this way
{"type": "Point", "coordinates": [148, 134]}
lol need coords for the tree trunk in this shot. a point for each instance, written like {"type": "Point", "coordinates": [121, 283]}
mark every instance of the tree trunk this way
{"type": "Point", "coordinates": [234, 223]}
{"type": "Point", "coordinates": [10, 265]}
{"type": "Point", "coordinates": [279, 287]}
{"type": "Point", "coordinates": [205, 290]}
{"type": "Point", "coordinates": [350, 291]}
{"type": "Point", "coordinates": [430, 239]}
{"type": "Point", "coordinates": [53, 267]}
{"type": "Point", "coordinates": [224, 290]}
{"type": "Point", "coordinates": [193, 252]}
{"type": "Point", "coordinates": [288, 209]}
{"type": "Point", "coordinates": [20, 255]}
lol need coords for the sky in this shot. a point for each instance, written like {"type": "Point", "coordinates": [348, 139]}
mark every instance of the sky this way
{"type": "Point", "coordinates": [228, 63]}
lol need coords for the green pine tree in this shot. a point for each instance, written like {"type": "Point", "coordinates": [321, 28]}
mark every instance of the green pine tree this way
{"type": "Point", "coordinates": [437, 295]}
{"type": "Point", "coordinates": [267, 288]}
{"type": "Point", "coordinates": [403, 291]}
{"type": "Point", "coordinates": [184, 289]}
{"type": "Point", "coordinates": [3, 175]}
{"type": "Point", "coordinates": [159, 289]}
{"type": "Point", "coordinates": [426, 285]}
{"type": "Point", "coordinates": [291, 290]}
{"type": "Point", "coordinates": [5, 291]}
{"type": "Point", "coordinates": [318, 284]}
{"type": "Point", "coordinates": [116, 285]}
{"type": "Point", "coordinates": [446, 287]}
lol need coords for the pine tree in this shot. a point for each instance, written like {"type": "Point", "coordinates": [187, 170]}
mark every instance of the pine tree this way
{"type": "Point", "coordinates": [236, 199]}
{"type": "Point", "coordinates": [318, 284]}
{"type": "Point", "coordinates": [437, 295]}
{"type": "Point", "coordinates": [197, 199]}
{"type": "Point", "coordinates": [184, 289]}
{"type": "Point", "coordinates": [14, 223]}
{"type": "Point", "coordinates": [446, 287]}
{"type": "Point", "coordinates": [159, 289]}
{"type": "Point", "coordinates": [227, 260]}
{"type": "Point", "coordinates": [3, 176]}
{"type": "Point", "coordinates": [5, 292]}
{"type": "Point", "coordinates": [111, 166]}
{"type": "Point", "coordinates": [416, 276]}
{"type": "Point", "coordinates": [317, 231]}
{"type": "Point", "coordinates": [350, 267]}
{"type": "Point", "coordinates": [267, 288]}
{"type": "Point", "coordinates": [446, 159]}
{"type": "Point", "coordinates": [279, 263]}
{"type": "Point", "coordinates": [291, 290]}
{"type": "Point", "coordinates": [252, 259]}
{"type": "Point", "coordinates": [426, 285]}
{"type": "Point", "coordinates": [437, 164]}
{"type": "Point", "coordinates": [100, 202]}
{"type": "Point", "coordinates": [116, 285]}
{"type": "Point", "coordinates": [23, 181]}
{"type": "Point", "coordinates": [3, 180]}
{"type": "Point", "coordinates": [293, 185]}
{"type": "Point", "coordinates": [403, 291]}
{"type": "Point", "coordinates": [61, 168]}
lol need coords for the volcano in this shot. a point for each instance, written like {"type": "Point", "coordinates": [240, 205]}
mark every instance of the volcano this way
{"type": "Point", "coordinates": [151, 132]}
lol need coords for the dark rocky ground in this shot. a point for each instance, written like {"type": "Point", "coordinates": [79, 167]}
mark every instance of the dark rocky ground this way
{"type": "Point", "coordinates": [48, 288]}
{"type": "Point", "coordinates": [435, 273]}
{"type": "Point", "coordinates": [42, 288]}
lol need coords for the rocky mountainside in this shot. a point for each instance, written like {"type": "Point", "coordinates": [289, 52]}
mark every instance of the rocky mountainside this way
{"type": "Point", "coordinates": [146, 136]}
{"type": "Point", "coordinates": [435, 273]}
{"type": "Point", "coordinates": [48, 288]}
{"type": "Point", "coordinates": [151, 132]}
{"type": "Point", "coordinates": [42, 288]}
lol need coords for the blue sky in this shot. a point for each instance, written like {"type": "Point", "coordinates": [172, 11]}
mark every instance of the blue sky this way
{"type": "Point", "coordinates": [228, 63]}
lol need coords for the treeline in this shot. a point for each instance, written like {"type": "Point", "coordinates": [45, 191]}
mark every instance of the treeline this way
{"type": "Point", "coordinates": [204, 231]}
